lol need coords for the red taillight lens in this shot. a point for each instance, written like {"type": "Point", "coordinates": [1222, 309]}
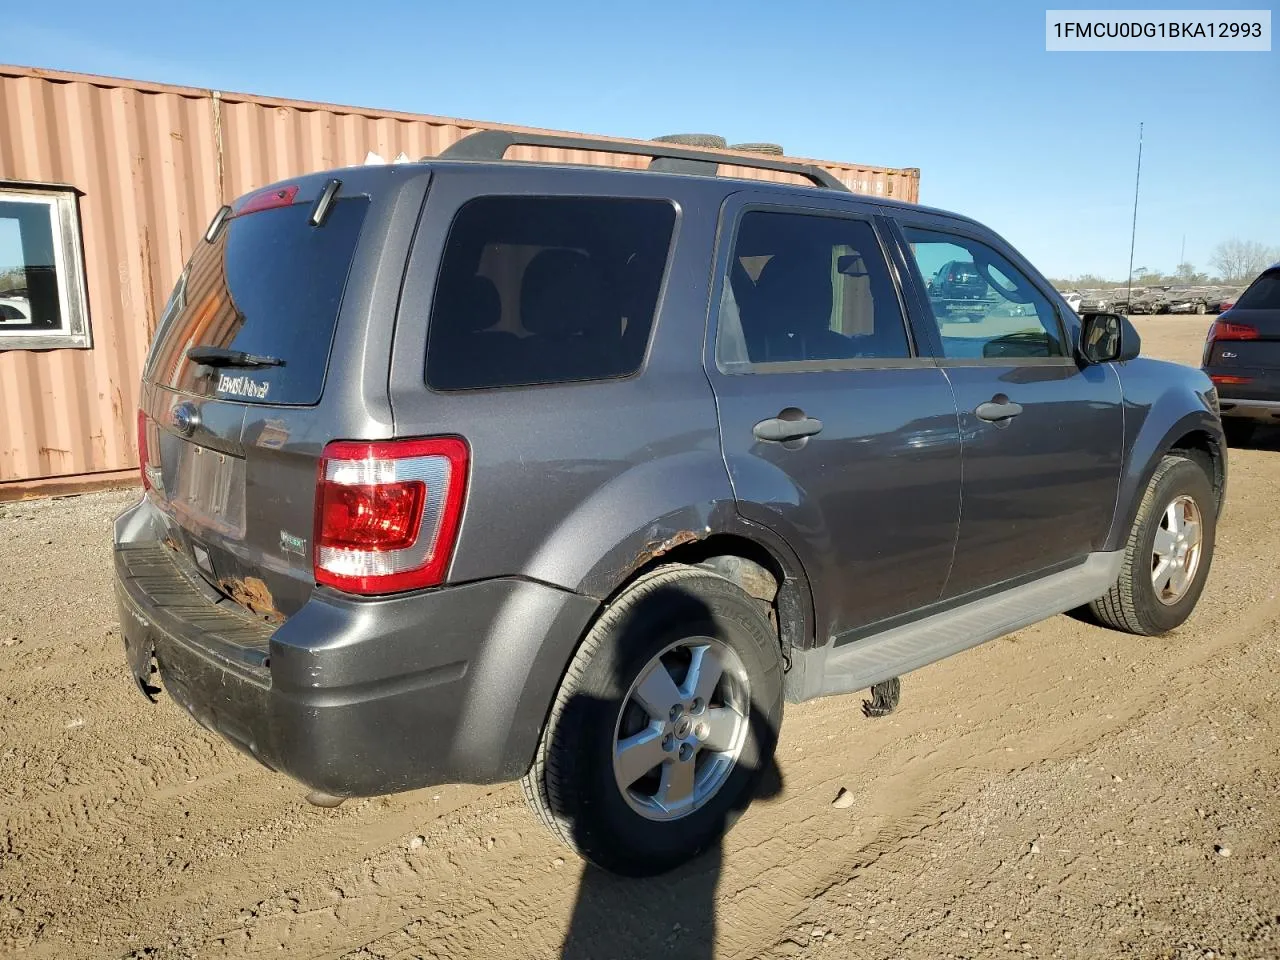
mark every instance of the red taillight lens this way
{"type": "Point", "coordinates": [1225, 330]}
{"type": "Point", "coordinates": [268, 200]}
{"type": "Point", "coordinates": [144, 451]}
{"type": "Point", "coordinates": [368, 517]}
{"type": "Point", "coordinates": [387, 513]}
{"type": "Point", "coordinates": [1226, 380]}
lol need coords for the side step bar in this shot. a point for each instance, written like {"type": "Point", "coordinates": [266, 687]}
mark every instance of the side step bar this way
{"type": "Point", "coordinates": [845, 668]}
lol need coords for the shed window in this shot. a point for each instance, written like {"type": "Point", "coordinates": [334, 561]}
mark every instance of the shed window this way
{"type": "Point", "coordinates": [42, 298]}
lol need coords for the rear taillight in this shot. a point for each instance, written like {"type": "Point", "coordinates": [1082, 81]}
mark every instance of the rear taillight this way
{"type": "Point", "coordinates": [144, 451]}
{"type": "Point", "coordinates": [1225, 330]}
{"type": "Point", "coordinates": [387, 513]}
{"type": "Point", "coordinates": [1227, 380]}
{"type": "Point", "coordinates": [268, 200]}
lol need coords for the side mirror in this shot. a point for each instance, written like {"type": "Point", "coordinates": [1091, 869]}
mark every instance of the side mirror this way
{"type": "Point", "coordinates": [1108, 338]}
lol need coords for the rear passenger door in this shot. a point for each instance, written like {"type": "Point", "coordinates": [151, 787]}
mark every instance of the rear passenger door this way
{"type": "Point", "coordinates": [836, 433]}
{"type": "Point", "coordinates": [1042, 433]}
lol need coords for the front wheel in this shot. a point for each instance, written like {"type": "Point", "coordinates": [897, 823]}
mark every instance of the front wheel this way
{"type": "Point", "coordinates": [665, 721]}
{"type": "Point", "coordinates": [1168, 554]}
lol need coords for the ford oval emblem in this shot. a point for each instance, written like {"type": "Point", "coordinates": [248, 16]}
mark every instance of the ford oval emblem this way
{"type": "Point", "coordinates": [185, 418]}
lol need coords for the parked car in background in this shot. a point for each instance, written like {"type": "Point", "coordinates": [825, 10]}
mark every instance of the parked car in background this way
{"type": "Point", "coordinates": [1242, 357]}
{"type": "Point", "coordinates": [480, 470]}
{"type": "Point", "coordinates": [1220, 301]}
{"type": "Point", "coordinates": [958, 280]}
{"type": "Point", "coordinates": [1073, 300]}
{"type": "Point", "coordinates": [1096, 303]}
{"type": "Point", "coordinates": [1184, 301]}
{"type": "Point", "coordinates": [1147, 303]}
{"type": "Point", "coordinates": [14, 310]}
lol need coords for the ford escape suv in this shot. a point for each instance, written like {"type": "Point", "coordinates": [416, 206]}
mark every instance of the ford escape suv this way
{"type": "Point", "coordinates": [472, 470]}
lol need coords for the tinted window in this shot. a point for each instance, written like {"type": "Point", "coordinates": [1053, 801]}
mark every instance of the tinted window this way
{"type": "Point", "coordinates": [804, 287]}
{"type": "Point", "coordinates": [985, 307]}
{"type": "Point", "coordinates": [269, 284]}
{"type": "Point", "coordinates": [1263, 293]}
{"type": "Point", "coordinates": [547, 289]}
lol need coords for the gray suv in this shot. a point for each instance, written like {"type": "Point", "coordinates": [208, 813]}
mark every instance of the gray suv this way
{"type": "Point", "coordinates": [472, 470]}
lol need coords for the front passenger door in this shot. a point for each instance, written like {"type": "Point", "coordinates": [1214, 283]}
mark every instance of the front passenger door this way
{"type": "Point", "coordinates": [1042, 433]}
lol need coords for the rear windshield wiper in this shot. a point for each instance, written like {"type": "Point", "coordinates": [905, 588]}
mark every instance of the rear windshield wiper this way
{"type": "Point", "coordinates": [222, 357]}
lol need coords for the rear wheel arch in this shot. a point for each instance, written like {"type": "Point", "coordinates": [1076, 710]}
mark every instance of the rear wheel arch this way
{"type": "Point", "coordinates": [765, 571]}
{"type": "Point", "coordinates": [758, 552]}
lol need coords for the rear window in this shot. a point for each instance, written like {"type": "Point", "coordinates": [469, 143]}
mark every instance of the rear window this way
{"type": "Point", "coordinates": [1263, 293]}
{"type": "Point", "coordinates": [547, 290]}
{"type": "Point", "coordinates": [270, 285]}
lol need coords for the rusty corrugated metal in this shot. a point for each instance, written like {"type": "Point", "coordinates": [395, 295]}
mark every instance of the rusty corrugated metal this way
{"type": "Point", "coordinates": [143, 162]}
{"type": "Point", "coordinates": [153, 163]}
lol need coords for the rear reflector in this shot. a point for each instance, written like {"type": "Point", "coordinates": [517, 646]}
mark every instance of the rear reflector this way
{"type": "Point", "coordinates": [144, 451]}
{"type": "Point", "coordinates": [1229, 380]}
{"type": "Point", "coordinates": [387, 513]}
{"type": "Point", "coordinates": [269, 200]}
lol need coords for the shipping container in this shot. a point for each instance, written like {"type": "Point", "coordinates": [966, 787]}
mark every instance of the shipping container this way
{"type": "Point", "coordinates": [106, 184]}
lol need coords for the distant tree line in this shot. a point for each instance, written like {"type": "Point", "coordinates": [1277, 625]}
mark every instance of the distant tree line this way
{"type": "Point", "coordinates": [1235, 261]}
{"type": "Point", "coordinates": [13, 278]}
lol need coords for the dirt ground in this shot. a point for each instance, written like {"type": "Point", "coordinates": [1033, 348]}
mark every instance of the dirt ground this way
{"type": "Point", "coordinates": [1065, 792]}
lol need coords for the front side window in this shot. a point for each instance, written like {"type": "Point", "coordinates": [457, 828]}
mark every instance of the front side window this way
{"type": "Point", "coordinates": [547, 290]}
{"type": "Point", "coordinates": [805, 287]}
{"type": "Point", "coordinates": [985, 307]}
{"type": "Point", "coordinates": [42, 300]}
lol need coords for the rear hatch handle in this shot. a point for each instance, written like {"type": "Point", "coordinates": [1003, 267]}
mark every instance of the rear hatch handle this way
{"type": "Point", "coordinates": [223, 357]}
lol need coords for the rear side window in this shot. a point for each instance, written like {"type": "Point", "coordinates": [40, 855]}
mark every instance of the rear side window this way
{"type": "Point", "coordinates": [270, 285]}
{"type": "Point", "coordinates": [1262, 294]}
{"type": "Point", "coordinates": [547, 290]}
{"type": "Point", "coordinates": [804, 287]}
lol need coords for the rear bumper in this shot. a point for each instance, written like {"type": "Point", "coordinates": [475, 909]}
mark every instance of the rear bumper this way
{"type": "Point", "coordinates": [355, 698]}
{"type": "Point", "coordinates": [1263, 411]}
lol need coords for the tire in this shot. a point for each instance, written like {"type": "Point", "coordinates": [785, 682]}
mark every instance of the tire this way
{"type": "Point", "coordinates": [1238, 432]}
{"type": "Point", "coordinates": [572, 786]}
{"type": "Point", "coordinates": [1201, 309]}
{"type": "Point", "coordinates": [1132, 603]}
{"type": "Point", "coordinates": [694, 140]}
{"type": "Point", "coordinates": [767, 149]}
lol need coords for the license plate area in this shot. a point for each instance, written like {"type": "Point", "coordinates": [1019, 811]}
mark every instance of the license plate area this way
{"type": "Point", "coordinates": [204, 485]}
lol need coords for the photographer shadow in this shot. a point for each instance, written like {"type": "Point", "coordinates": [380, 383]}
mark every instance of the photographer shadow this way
{"type": "Point", "coordinates": [672, 914]}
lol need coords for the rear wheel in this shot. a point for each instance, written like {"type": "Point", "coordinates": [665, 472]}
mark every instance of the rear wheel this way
{"type": "Point", "coordinates": [1168, 554]}
{"type": "Point", "coordinates": [665, 720]}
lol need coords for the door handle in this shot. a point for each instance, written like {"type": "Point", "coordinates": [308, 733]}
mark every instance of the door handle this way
{"type": "Point", "coordinates": [998, 409]}
{"type": "Point", "coordinates": [779, 431]}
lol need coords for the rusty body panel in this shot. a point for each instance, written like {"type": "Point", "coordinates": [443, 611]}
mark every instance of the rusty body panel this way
{"type": "Point", "coordinates": [151, 164]}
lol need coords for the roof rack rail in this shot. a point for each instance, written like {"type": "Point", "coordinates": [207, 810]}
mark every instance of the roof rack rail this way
{"type": "Point", "coordinates": [666, 158]}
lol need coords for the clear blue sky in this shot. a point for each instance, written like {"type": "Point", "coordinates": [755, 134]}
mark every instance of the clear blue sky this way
{"type": "Point", "coordinates": [1041, 146]}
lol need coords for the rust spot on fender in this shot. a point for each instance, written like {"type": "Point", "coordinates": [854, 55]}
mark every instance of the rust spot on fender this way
{"type": "Point", "coordinates": [656, 548]}
{"type": "Point", "coordinates": [253, 594]}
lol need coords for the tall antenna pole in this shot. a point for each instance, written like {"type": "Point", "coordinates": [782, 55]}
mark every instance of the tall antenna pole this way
{"type": "Point", "coordinates": [1182, 257]}
{"type": "Point", "coordinates": [1133, 236]}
